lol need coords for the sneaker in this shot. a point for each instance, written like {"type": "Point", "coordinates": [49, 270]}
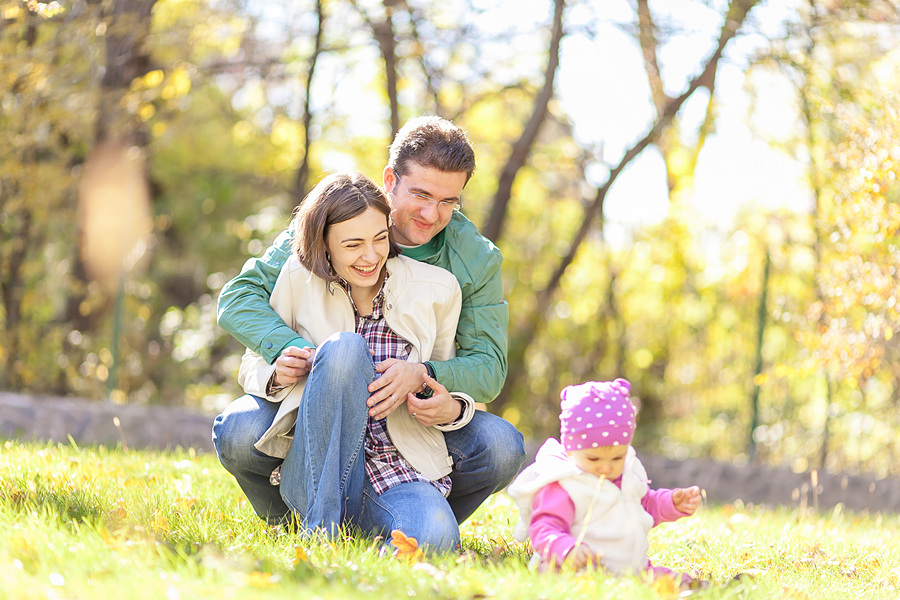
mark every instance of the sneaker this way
{"type": "Point", "coordinates": [275, 477]}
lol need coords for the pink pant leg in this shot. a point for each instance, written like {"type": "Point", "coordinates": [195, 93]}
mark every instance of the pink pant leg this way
{"type": "Point", "coordinates": [666, 572]}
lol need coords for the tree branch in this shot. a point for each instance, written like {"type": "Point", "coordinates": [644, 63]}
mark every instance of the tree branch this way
{"type": "Point", "coordinates": [300, 183]}
{"type": "Point", "coordinates": [500, 207]}
{"type": "Point", "coordinates": [530, 325]}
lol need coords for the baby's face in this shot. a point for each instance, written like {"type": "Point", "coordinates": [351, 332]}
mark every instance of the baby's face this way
{"type": "Point", "coordinates": [608, 461]}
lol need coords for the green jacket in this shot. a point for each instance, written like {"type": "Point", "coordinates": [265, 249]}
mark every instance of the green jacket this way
{"type": "Point", "coordinates": [480, 366]}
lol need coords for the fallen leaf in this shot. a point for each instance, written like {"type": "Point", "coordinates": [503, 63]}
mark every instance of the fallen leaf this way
{"type": "Point", "coordinates": [261, 580]}
{"type": "Point", "coordinates": [185, 502]}
{"type": "Point", "coordinates": [160, 522]}
{"type": "Point", "coordinates": [406, 547]}
{"type": "Point", "coordinates": [666, 586]}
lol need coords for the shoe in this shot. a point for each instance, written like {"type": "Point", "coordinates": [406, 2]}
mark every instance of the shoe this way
{"type": "Point", "coordinates": [275, 477]}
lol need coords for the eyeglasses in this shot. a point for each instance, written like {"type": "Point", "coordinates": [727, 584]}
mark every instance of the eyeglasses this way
{"type": "Point", "coordinates": [425, 201]}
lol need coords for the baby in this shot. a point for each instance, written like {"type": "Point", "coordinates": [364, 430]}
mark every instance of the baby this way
{"type": "Point", "coordinates": [586, 501]}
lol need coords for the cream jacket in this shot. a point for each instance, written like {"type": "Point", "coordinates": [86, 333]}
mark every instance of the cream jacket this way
{"type": "Point", "coordinates": [421, 304]}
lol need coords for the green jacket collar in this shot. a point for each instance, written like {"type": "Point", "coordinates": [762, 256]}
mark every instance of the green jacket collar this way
{"type": "Point", "coordinates": [427, 250]}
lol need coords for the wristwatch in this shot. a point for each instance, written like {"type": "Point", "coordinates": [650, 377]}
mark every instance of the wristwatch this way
{"type": "Point", "coordinates": [426, 392]}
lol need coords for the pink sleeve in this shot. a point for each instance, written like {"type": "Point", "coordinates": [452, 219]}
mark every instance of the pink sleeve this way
{"type": "Point", "coordinates": [552, 513]}
{"type": "Point", "coordinates": [660, 506]}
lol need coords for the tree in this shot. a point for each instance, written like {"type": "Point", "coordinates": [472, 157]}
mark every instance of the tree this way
{"type": "Point", "coordinates": [524, 332]}
{"type": "Point", "coordinates": [301, 185]}
{"type": "Point", "coordinates": [45, 142]}
{"type": "Point", "coordinates": [383, 32]}
{"type": "Point", "coordinates": [234, 108]}
{"type": "Point", "coordinates": [522, 147]}
{"type": "Point", "coordinates": [831, 61]}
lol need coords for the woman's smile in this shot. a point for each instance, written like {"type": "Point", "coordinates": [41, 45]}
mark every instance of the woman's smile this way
{"type": "Point", "coordinates": [358, 249]}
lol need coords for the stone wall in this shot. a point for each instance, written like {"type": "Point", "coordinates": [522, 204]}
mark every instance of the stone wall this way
{"type": "Point", "coordinates": [767, 486]}
{"type": "Point", "coordinates": [54, 419]}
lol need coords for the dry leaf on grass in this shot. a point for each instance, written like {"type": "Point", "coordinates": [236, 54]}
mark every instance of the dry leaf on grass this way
{"type": "Point", "coordinates": [666, 587]}
{"type": "Point", "coordinates": [407, 548]}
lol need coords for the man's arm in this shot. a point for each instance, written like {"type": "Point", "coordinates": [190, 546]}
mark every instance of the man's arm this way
{"type": "Point", "coordinates": [480, 366]}
{"type": "Point", "coordinates": [244, 309]}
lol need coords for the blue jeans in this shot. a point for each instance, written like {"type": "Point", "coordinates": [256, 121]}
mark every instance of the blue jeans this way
{"type": "Point", "coordinates": [323, 473]}
{"type": "Point", "coordinates": [417, 509]}
{"type": "Point", "coordinates": [323, 476]}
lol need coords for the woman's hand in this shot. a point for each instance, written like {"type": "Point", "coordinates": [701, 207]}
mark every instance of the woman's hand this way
{"type": "Point", "coordinates": [293, 365]}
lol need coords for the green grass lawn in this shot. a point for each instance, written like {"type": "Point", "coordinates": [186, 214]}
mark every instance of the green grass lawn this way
{"type": "Point", "coordinates": [85, 523]}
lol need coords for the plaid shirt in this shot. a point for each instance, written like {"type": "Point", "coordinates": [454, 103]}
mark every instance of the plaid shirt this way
{"type": "Point", "coordinates": [385, 466]}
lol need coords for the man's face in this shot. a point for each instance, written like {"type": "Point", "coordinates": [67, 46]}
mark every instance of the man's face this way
{"type": "Point", "coordinates": [415, 219]}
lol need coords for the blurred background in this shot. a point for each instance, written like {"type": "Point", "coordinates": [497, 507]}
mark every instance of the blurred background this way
{"type": "Point", "coordinates": [698, 195]}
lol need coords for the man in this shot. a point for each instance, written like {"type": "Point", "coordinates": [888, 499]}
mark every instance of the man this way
{"type": "Point", "coordinates": [431, 160]}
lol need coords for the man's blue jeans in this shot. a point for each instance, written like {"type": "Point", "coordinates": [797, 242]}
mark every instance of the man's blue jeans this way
{"type": "Point", "coordinates": [323, 476]}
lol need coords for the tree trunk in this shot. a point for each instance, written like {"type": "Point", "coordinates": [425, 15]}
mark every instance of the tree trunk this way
{"type": "Point", "coordinates": [16, 228]}
{"type": "Point", "coordinates": [757, 371]}
{"type": "Point", "coordinates": [383, 32]}
{"type": "Point", "coordinates": [127, 58]}
{"type": "Point", "coordinates": [301, 184]}
{"type": "Point", "coordinates": [649, 44]}
{"type": "Point", "coordinates": [670, 142]}
{"type": "Point", "coordinates": [500, 206]}
{"type": "Point", "coordinates": [114, 193]}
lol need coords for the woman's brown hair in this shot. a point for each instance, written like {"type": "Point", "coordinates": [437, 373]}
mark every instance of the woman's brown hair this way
{"type": "Point", "coordinates": [335, 199]}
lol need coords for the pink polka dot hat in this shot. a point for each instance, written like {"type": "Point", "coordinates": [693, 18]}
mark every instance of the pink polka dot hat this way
{"type": "Point", "coordinates": [596, 413]}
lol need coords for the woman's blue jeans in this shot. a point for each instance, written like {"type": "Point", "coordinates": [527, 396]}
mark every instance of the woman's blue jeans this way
{"type": "Point", "coordinates": [323, 479]}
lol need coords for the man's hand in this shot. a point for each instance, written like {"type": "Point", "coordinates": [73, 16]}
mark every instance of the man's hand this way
{"type": "Point", "coordinates": [440, 409]}
{"type": "Point", "coordinates": [398, 380]}
{"type": "Point", "coordinates": [293, 365]}
{"type": "Point", "coordinates": [686, 500]}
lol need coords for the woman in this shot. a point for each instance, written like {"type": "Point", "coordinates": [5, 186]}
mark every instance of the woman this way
{"type": "Point", "coordinates": [358, 302]}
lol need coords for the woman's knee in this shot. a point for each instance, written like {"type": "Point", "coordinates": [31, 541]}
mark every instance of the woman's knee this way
{"type": "Point", "coordinates": [343, 369]}
{"type": "Point", "coordinates": [344, 347]}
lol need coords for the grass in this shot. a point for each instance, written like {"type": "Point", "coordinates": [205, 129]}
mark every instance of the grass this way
{"type": "Point", "coordinates": [84, 523]}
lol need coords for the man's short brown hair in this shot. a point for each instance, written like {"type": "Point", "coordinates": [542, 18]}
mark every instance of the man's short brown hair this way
{"type": "Point", "coordinates": [432, 142]}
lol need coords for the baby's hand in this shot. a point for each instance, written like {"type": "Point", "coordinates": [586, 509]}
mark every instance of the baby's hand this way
{"type": "Point", "coordinates": [582, 556]}
{"type": "Point", "coordinates": [686, 500]}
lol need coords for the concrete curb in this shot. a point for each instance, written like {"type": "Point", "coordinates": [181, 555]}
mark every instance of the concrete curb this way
{"type": "Point", "coordinates": [726, 483]}
{"type": "Point", "coordinates": [54, 419]}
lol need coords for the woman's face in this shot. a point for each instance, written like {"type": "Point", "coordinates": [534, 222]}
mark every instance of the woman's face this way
{"type": "Point", "coordinates": [359, 247]}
